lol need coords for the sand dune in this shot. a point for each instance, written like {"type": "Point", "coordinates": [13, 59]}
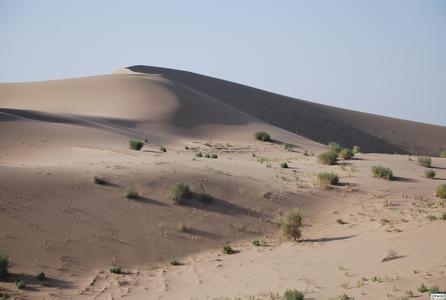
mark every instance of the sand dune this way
{"type": "Point", "coordinates": [55, 136]}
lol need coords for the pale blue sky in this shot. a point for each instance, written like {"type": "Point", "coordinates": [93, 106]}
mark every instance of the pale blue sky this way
{"type": "Point", "coordinates": [384, 57]}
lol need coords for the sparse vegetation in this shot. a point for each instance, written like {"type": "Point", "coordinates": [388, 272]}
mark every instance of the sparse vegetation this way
{"type": "Point", "coordinates": [41, 276]}
{"type": "Point", "coordinates": [443, 154]}
{"type": "Point", "coordinates": [334, 147]}
{"type": "Point", "coordinates": [207, 155]}
{"type": "Point", "coordinates": [290, 224]}
{"type": "Point", "coordinates": [199, 154]}
{"type": "Point", "coordinates": [214, 156]}
{"type": "Point", "coordinates": [340, 221]}
{"type": "Point", "coordinates": [262, 136]}
{"type": "Point", "coordinates": [130, 194]}
{"type": "Point", "coordinates": [345, 154]}
{"type": "Point", "coordinates": [326, 179]}
{"type": "Point", "coordinates": [424, 161]}
{"type": "Point", "coordinates": [434, 289]}
{"type": "Point", "coordinates": [441, 191]}
{"type": "Point", "coordinates": [306, 153]}
{"type": "Point", "coordinates": [205, 198]}
{"type": "Point", "coordinates": [409, 293]}
{"type": "Point", "coordinates": [4, 264]}
{"type": "Point", "coordinates": [429, 173]}
{"type": "Point", "coordinates": [288, 147]}
{"type": "Point", "coordinates": [178, 193]}
{"type": "Point", "coordinates": [173, 261]}
{"type": "Point", "coordinates": [284, 165]}
{"type": "Point", "coordinates": [382, 172]}
{"type": "Point", "coordinates": [20, 284]}
{"type": "Point", "coordinates": [343, 297]}
{"type": "Point", "coordinates": [136, 144]}
{"type": "Point", "coordinates": [423, 288]}
{"type": "Point", "coordinates": [259, 243]}
{"type": "Point", "coordinates": [226, 249]}
{"type": "Point", "coordinates": [100, 180]}
{"type": "Point", "coordinates": [163, 149]}
{"type": "Point", "coordinates": [431, 217]}
{"type": "Point", "coordinates": [293, 295]}
{"type": "Point", "coordinates": [443, 216]}
{"type": "Point", "coordinates": [115, 269]}
{"type": "Point", "coordinates": [327, 158]}
{"type": "Point", "coordinates": [356, 149]}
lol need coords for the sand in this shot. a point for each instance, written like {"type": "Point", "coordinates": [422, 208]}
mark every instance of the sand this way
{"type": "Point", "coordinates": [55, 136]}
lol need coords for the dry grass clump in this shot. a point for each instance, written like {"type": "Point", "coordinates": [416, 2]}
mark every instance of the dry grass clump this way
{"type": "Point", "coordinates": [290, 224]}
{"type": "Point", "coordinates": [178, 193]}
{"type": "Point", "coordinates": [356, 149]}
{"type": "Point", "coordinates": [327, 158]}
{"type": "Point", "coordinates": [262, 136]}
{"type": "Point", "coordinates": [334, 147]}
{"type": "Point", "coordinates": [345, 154]}
{"type": "Point", "coordinates": [425, 161]}
{"type": "Point", "coordinates": [382, 172]}
{"type": "Point", "coordinates": [429, 173]}
{"type": "Point", "coordinates": [441, 191]}
{"type": "Point", "coordinates": [326, 179]}
{"type": "Point", "coordinates": [288, 147]}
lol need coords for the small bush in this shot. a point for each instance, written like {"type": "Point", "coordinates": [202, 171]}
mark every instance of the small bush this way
{"type": "Point", "coordinates": [290, 224]}
{"type": "Point", "coordinates": [206, 198]}
{"type": "Point", "coordinates": [441, 191]}
{"type": "Point", "coordinates": [41, 276]}
{"type": "Point", "coordinates": [199, 154]}
{"type": "Point", "coordinates": [306, 153]}
{"type": "Point", "coordinates": [4, 264]}
{"type": "Point", "coordinates": [262, 136]}
{"type": "Point", "coordinates": [340, 221]}
{"type": "Point", "coordinates": [130, 194]}
{"type": "Point", "coordinates": [409, 293]}
{"type": "Point", "coordinates": [178, 193]}
{"type": "Point", "coordinates": [423, 288]}
{"type": "Point", "coordinates": [100, 180]}
{"type": "Point", "coordinates": [226, 249]}
{"type": "Point", "coordinates": [327, 158]}
{"type": "Point", "coordinates": [146, 141]}
{"type": "Point", "coordinates": [284, 165]}
{"type": "Point", "coordinates": [115, 269]}
{"type": "Point", "coordinates": [356, 149]}
{"type": "Point", "coordinates": [443, 216]}
{"type": "Point", "coordinates": [345, 154]}
{"type": "Point", "coordinates": [163, 149]}
{"type": "Point", "coordinates": [382, 172]}
{"type": "Point", "coordinates": [431, 217]}
{"type": "Point", "coordinates": [429, 173]}
{"type": "Point", "coordinates": [256, 243]}
{"type": "Point", "coordinates": [288, 147]}
{"type": "Point", "coordinates": [334, 147]}
{"type": "Point", "coordinates": [214, 156]}
{"type": "Point", "coordinates": [136, 144]}
{"type": "Point", "coordinates": [424, 161]}
{"type": "Point", "coordinates": [326, 179]}
{"type": "Point", "coordinates": [207, 155]}
{"type": "Point", "coordinates": [173, 261]}
{"type": "Point", "coordinates": [443, 154]}
{"type": "Point", "coordinates": [434, 289]}
{"type": "Point", "coordinates": [293, 295]}
{"type": "Point", "coordinates": [20, 284]}
{"type": "Point", "coordinates": [343, 297]}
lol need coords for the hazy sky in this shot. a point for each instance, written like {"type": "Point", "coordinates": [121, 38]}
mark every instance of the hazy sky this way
{"type": "Point", "coordinates": [384, 57]}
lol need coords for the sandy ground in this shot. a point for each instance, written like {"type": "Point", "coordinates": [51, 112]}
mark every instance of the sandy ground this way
{"type": "Point", "coordinates": [56, 136]}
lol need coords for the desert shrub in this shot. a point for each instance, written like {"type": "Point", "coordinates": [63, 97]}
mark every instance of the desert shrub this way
{"type": "Point", "coordinates": [41, 276]}
{"type": "Point", "coordinates": [306, 153]}
{"type": "Point", "coordinates": [345, 154]}
{"type": "Point", "coordinates": [434, 289]}
{"type": "Point", "coordinates": [443, 216]}
{"type": "Point", "coordinates": [326, 179]}
{"type": "Point", "coordinates": [20, 284]}
{"type": "Point", "coordinates": [146, 141]}
{"type": "Point", "coordinates": [382, 172]}
{"type": "Point", "coordinates": [290, 224]}
{"type": "Point", "coordinates": [99, 180]}
{"type": "Point", "coordinates": [409, 293]}
{"type": "Point", "coordinates": [130, 194]}
{"type": "Point", "coordinates": [293, 295]}
{"type": "Point", "coordinates": [214, 155]}
{"type": "Point", "coordinates": [356, 149]}
{"type": "Point", "coordinates": [207, 155]}
{"type": "Point", "coordinates": [429, 173]}
{"type": "Point", "coordinates": [327, 158]}
{"type": "Point", "coordinates": [443, 154]}
{"type": "Point", "coordinates": [262, 136]}
{"type": "Point", "coordinates": [340, 221]}
{"type": "Point", "coordinates": [226, 249]}
{"type": "Point", "coordinates": [135, 144]}
{"type": "Point", "coordinates": [343, 297]}
{"type": "Point", "coordinates": [163, 149]}
{"type": "Point", "coordinates": [424, 161]}
{"type": "Point", "coordinates": [423, 288]}
{"type": "Point", "coordinates": [115, 269]}
{"type": "Point", "coordinates": [173, 261]}
{"type": "Point", "coordinates": [4, 264]}
{"type": "Point", "coordinates": [441, 191]}
{"type": "Point", "coordinates": [178, 193]}
{"type": "Point", "coordinates": [284, 165]}
{"type": "Point", "coordinates": [199, 154]}
{"type": "Point", "coordinates": [431, 217]}
{"type": "Point", "coordinates": [205, 198]}
{"type": "Point", "coordinates": [288, 147]}
{"type": "Point", "coordinates": [335, 147]}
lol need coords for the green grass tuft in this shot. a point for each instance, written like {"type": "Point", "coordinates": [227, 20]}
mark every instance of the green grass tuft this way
{"type": "Point", "coordinates": [136, 144]}
{"type": "Point", "coordinates": [284, 165]}
{"type": "Point", "coordinates": [226, 249]}
{"type": "Point", "coordinates": [345, 154]}
{"type": "Point", "coordinates": [382, 172]}
{"type": "Point", "coordinates": [115, 269]}
{"type": "Point", "coordinates": [262, 136]}
{"type": "Point", "coordinates": [293, 295]}
{"type": "Point", "coordinates": [290, 224]}
{"type": "Point", "coordinates": [425, 161]}
{"type": "Point", "coordinates": [326, 179]}
{"type": "Point", "coordinates": [429, 173]}
{"type": "Point", "coordinates": [327, 158]}
{"type": "Point", "coordinates": [178, 193]}
{"type": "Point", "coordinates": [441, 191]}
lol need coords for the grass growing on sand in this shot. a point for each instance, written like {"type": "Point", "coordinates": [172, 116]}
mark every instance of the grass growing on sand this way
{"type": "Point", "coordinates": [293, 295]}
{"type": "Point", "coordinates": [429, 173]}
{"type": "Point", "coordinates": [136, 144]}
{"type": "Point", "coordinates": [334, 147]}
{"type": "Point", "coordinates": [290, 224]}
{"type": "Point", "coordinates": [262, 136]}
{"type": "Point", "coordinates": [130, 194]}
{"type": "Point", "coordinates": [356, 149]}
{"type": "Point", "coordinates": [115, 269]}
{"type": "Point", "coordinates": [441, 191]}
{"type": "Point", "coordinates": [326, 179]}
{"type": "Point", "coordinates": [443, 154]}
{"type": "Point", "coordinates": [284, 165]}
{"type": "Point", "coordinates": [345, 154]}
{"type": "Point", "coordinates": [425, 161]}
{"type": "Point", "coordinates": [382, 172]}
{"type": "Point", "coordinates": [226, 249]}
{"type": "Point", "coordinates": [327, 158]}
{"type": "Point", "coordinates": [178, 193]}
{"type": "Point", "coordinates": [100, 180]}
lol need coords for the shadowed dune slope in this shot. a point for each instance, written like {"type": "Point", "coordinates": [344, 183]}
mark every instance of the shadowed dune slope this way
{"type": "Point", "coordinates": [318, 122]}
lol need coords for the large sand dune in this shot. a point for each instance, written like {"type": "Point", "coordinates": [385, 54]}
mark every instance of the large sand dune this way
{"type": "Point", "coordinates": [55, 136]}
